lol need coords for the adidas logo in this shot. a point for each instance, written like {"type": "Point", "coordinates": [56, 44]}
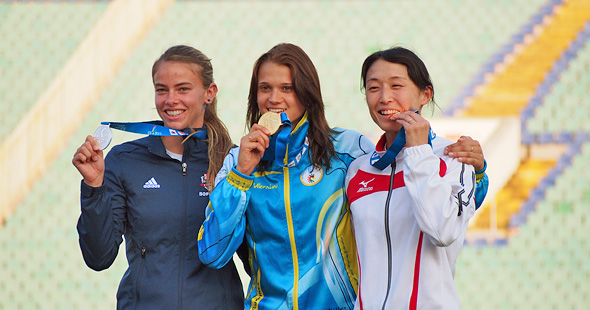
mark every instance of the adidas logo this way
{"type": "Point", "coordinates": [151, 184]}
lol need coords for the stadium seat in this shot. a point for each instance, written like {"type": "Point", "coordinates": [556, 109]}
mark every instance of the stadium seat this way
{"type": "Point", "coordinates": [541, 264]}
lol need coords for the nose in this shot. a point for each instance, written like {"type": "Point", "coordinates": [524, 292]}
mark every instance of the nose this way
{"type": "Point", "coordinates": [171, 98]}
{"type": "Point", "coordinates": [274, 97]}
{"type": "Point", "coordinates": [386, 95]}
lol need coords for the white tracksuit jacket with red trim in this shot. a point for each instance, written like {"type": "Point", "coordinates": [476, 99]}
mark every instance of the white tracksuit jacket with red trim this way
{"type": "Point", "coordinates": [410, 223]}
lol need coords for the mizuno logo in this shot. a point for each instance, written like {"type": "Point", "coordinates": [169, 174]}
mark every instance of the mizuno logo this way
{"type": "Point", "coordinates": [365, 183]}
{"type": "Point", "coordinates": [151, 183]}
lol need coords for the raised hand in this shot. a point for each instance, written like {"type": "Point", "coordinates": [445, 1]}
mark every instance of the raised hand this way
{"type": "Point", "coordinates": [467, 150]}
{"type": "Point", "coordinates": [89, 161]}
{"type": "Point", "coordinates": [252, 147]}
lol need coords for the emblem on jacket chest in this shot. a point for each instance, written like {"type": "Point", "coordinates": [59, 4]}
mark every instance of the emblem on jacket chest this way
{"type": "Point", "coordinates": [311, 175]}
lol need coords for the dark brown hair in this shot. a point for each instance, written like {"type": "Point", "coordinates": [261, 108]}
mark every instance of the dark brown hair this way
{"type": "Point", "coordinates": [306, 85]}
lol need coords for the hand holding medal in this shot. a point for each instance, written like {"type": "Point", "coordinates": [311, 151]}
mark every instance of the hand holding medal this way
{"type": "Point", "coordinates": [257, 142]}
{"type": "Point", "coordinates": [89, 160]}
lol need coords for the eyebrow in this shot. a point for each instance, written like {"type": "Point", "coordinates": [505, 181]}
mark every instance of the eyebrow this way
{"type": "Point", "coordinates": [393, 77]}
{"type": "Point", "coordinates": [281, 84]}
{"type": "Point", "coordinates": [175, 85]}
{"type": "Point", "coordinates": [397, 77]}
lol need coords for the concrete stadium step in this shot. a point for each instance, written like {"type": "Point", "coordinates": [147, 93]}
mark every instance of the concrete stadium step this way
{"type": "Point", "coordinates": [509, 91]}
{"type": "Point", "coordinates": [513, 194]}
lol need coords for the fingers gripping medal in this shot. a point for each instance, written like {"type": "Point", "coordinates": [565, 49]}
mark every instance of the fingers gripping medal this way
{"type": "Point", "coordinates": [103, 135]}
{"type": "Point", "coordinates": [279, 126]}
{"type": "Point", "coordinates": [270, 121]}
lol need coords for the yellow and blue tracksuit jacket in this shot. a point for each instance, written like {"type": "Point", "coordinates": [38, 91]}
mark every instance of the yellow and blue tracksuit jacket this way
{"type": "Point", "coordinates": [296, 222]}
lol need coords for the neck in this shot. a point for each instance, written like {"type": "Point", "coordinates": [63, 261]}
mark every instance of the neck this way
{"type": "Point", "coordinates": [390, 137]}
{"type": "Point", "coordinates": [173, 143]}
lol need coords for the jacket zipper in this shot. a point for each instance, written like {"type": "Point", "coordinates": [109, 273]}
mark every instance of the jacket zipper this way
{"type": "Point", "coordinates": [388, 233]}
{"type": "Point", "coordinates": [138, 281]}
{"type": "Point", "coordinates": [291, 238]}
{"type": "Point", "coordinates": [181, 269]}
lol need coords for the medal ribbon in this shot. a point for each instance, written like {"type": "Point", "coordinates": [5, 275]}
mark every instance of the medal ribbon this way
{"type": "Point", "coordinates": [279, 142]}
{"type": "Point", "coordinates": [392, 151]}
{"type": "Point", "coordinates": [153, 129]}
{"type": "Point", "coordinates": [397, 145]}
{"type": "Point", "coordinates": [395, 148]}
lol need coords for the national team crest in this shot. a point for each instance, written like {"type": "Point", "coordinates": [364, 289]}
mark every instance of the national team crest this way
{"type": "Point", "coordinates": [204, 180]}
{"type": "Point", "coordinates": [205, 185]}
{"type": "Point", "coordinates": [311, 175]}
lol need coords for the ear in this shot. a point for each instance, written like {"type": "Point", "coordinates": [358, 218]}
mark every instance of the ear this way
{"type": "Point", "coordinates": [211, 92]}
{"type": "Point", "coordinates": [427, 94]}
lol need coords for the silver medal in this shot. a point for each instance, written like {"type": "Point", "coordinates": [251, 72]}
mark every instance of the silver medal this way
{"type": "Point", "coordinates": [103, 135]}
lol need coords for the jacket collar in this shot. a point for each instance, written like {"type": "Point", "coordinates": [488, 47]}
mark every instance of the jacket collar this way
{"type": "Point", "coordinates": [299, 142]}
{"type": "Point", "coordinates": [192, 146]}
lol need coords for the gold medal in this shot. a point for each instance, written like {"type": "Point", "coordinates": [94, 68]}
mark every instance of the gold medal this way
{"type": "Point", "coordinates": [270, 121]}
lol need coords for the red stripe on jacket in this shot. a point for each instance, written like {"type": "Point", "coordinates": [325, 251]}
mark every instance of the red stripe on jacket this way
{"type": "Point", "coordinates": [414, 296]}
{"type": "Point", "coordinates": [364, 183]}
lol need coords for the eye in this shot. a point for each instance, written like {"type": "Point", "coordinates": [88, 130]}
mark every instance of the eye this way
{"type": "Point", "coordinates": [263, 88]}
{"type": "Point", "coordinates": [287, 88]}
{"type": "Point", "coordinates": [373, 89]}
{"type": "Point", "coordinates": [160, 90]}
{"type": "Point", "coordinates": [184, 89]}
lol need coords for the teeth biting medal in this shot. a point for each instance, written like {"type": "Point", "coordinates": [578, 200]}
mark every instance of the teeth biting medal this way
{"type": "Point", "coordinates": [394, 113]}
{"type": "Point", "coordinates": [103, 135]}
{"type": "Point", "coordinates": [270, 121]}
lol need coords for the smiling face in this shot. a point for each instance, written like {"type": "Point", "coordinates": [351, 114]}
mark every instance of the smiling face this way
{"type": "Point", "coordinates": [275, 92]}
{"type": "Point", "coordinates": [389, 90]}
{"type": "Point", "coordinates": [180, 95]}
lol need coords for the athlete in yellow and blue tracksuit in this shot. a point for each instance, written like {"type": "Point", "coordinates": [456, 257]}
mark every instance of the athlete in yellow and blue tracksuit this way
{"type": "Point", "coordinates": [296, 222]}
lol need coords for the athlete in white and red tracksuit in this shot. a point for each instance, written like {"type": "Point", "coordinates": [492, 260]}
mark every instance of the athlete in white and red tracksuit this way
{"type": "Point", "coordinates": [410, 203]}
{"type": "Point", "coordinates": [410, 220]}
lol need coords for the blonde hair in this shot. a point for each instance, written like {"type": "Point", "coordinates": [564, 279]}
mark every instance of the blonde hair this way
{"type": "Point", "coordinates": [218, 136]}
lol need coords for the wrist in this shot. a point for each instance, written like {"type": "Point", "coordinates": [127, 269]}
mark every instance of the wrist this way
{"type": "Point", "coordinates": [243, 170]}
{"type": "Point", "coordinates": [480, 173]}
{"type": "Point", "coordinates": [94, 183]}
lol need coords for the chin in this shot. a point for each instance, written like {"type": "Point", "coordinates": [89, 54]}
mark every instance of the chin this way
{"type": "Point", "coordinates": [390, 127]}
{"type": "Point", "coordinates": [175, 126]}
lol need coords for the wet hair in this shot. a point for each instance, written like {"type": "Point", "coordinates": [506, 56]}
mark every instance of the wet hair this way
{"type": "Point", "coordinates": [218, 138]}
{"type": "Point", "coordinates": [306, 85]}
{"type": "Point", "coordinates": [416, 68]}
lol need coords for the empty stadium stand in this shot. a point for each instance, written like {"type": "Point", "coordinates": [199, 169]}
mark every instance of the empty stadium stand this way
{"type": "Point", "coordinates": [476, 51]}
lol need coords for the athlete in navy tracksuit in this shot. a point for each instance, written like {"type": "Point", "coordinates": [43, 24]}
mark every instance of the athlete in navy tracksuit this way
{"type": "Point", "coordinates": [154, 192]}
{"type": "Point", "coordinates": [158, 203]}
